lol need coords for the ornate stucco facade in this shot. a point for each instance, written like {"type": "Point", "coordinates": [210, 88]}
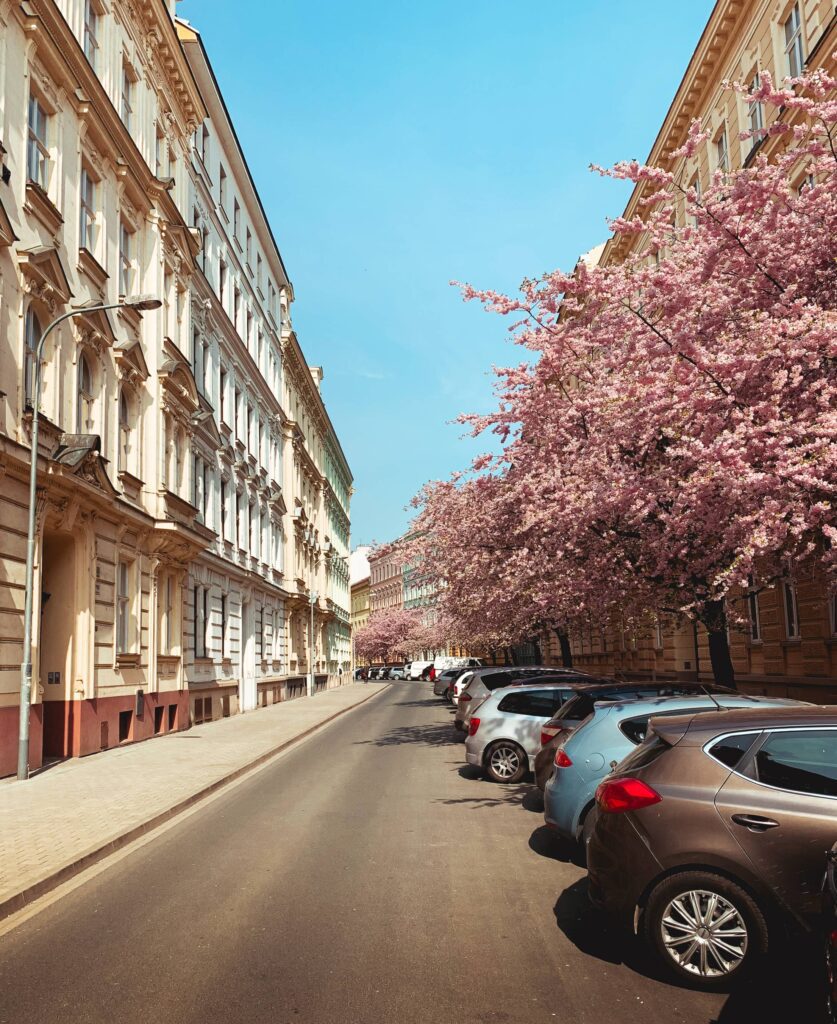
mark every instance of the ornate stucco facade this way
{"type": "Point", "coordinates": [155, 601]}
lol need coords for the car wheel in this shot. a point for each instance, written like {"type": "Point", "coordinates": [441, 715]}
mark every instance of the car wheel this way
{"type": "Point", "coordinates": [506, 762]}
{"type": "Point", "coordinates": [706, 929]}
{"type": "Point", "coordinates": [449, 695]}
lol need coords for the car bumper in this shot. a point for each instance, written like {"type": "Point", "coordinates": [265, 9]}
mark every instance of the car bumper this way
{"type": "Point", "coordinates": [620, 866]}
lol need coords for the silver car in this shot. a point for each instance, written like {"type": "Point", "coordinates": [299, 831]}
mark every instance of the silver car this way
{"type": "Point", "coordinates": [485, 680]}
{"type": "Point", "coordinates": [505, 735]}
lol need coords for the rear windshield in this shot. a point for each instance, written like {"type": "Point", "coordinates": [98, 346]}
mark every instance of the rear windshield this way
{"type": "Point", "coordinates": [581, 705]}
{"type": "Point", "coordinates": [646, 753]}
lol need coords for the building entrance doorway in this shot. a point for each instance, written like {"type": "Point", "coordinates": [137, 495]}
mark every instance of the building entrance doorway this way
{"type": "Point", "coordinates": [56, 633]}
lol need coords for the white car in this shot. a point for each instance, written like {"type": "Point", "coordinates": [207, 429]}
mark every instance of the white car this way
{"type": "Point", "coordinates": [459, 686]}
{"type": "Point", "coordinates": [505, 734]}
{"type": "Point", "coordinates": [417, 667]}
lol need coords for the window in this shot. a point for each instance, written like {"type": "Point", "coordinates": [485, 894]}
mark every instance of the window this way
{"type": "Point", "coordinates": [237, 413]}
{"type": "Point", "coordinates": [199, 360]}
{"type": "Point", "coordinates": [731, 749]}
{"type": "Point", "coordinates": [126, 267]}
{"type": "Point", "coordinates": [236, 306]}
{"type": "Point", "coordinates": [832, 614]}
{"type": "Point", "coordinates": [756, 112]}
{"type": "Point", "coordinates": [87, 212]}
{"type": "Point", "coordinates": [126, 95]}
{"type": "Point", "coordinates": [793, 43]}
{"type": "Point", "coordinates": [37, 154]}
{"type": "Point", "coordinates": [753, 613]}
{"type": "Point", "coordinates": [802, 761]}
{"type": "Point", "coordinates": [722, 152]}
{"type": "Point", "coordinates": [84, 404]}
{"type": "Point", "coordinates": [238, 530]}
{"type": "Point", "coordinates": [222, 282]}
{"type": "Point", "coordinates": [91, 32]}
{"type": "Point", "coordinates": [31, 337]}
{"type": "Point", "coordinates": [124, 431]}
{"type": "Point", "coordinates": [200, 599]}
{"type": "Point", "coordinates": [658, 633]}
{"type": "Point", "coordinates": [538, 703]}
{"type": "Point", "coordinates": [198, 484]}
{"type": "Point", "coordinates": [223, 651]}
{"type": "Point", "coordinates": [168, 614]}
{"type": "Point", "coordinates": [236, 220]}
{"type": "Point", "coordinates": [222, 186]}
{"type": "Point", "coordinates": [222, 395]}
{"type": "Point", "coordinates": [223, 509]}
{"type": "Point", "coordinates": [248, 245]}
{"type": "Point", "coordinates": [124, 624]}
{"type": "Point", "coordinates": [204, 141]}
{"type": "Point", "coordinates": [791, 611]}
{"type": "Point", "coordinates": [258, 271]}
{"type": "Point", "coordinates": [160, 152]}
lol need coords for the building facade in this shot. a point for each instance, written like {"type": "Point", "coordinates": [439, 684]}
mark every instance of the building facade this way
{"type": "Point", "coordinates": [787, 644]}
{"type": "Point", "coordinates": [192, 492]}
{"type": "Point", "coordinates": [386, 578]}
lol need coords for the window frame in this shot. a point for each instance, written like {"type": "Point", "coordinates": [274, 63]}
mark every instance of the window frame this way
{"type": "Point", "coordinates": [87, 233]}
{"type": "Point", "coordinates": [126, 259]}
{"type": "Point", "coordinates": [790, 605]}
{"type": "Point", "coordinates": [91, 16]}
{"type": "Point", "coordinates": [125, 585]}
{"type": "Point", "coordinates": [794, 43]}
{"type": "Point", "coordinates": [38, 155]}
{"type": "Point", "coordinates": [127, 81]}
{"type": "Point", "coordinates": [85, 400]}
{"type": "Point", "coordinates": [32, 330]}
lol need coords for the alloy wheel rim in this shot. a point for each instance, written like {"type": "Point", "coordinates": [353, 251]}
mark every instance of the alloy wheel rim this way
{"type": "Point", "coordinates": [505, 762]}
{"type": "Point", "coordinates": [704, 933]}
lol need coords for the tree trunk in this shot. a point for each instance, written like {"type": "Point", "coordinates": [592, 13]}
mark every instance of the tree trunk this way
{"type": "Point", "coordinates": [510, 657]}
{"type": "Point", "coordinates": [566, 651]}
{"type": "Point", "coordinates": [715, 620]}
{"type": "Point", "coordinates": [538, 655]}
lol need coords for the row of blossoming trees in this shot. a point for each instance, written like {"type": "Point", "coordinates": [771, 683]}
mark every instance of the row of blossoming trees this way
{"type": "Point", "coordinates": [670, 440]}
{"type": "Point", "coordinates": [393, 634]}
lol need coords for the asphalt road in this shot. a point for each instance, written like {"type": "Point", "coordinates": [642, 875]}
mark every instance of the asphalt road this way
{"type": "Point", "coordinates": [367, 876]}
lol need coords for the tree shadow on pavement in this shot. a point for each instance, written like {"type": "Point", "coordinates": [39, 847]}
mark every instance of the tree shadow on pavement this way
{"type": "Point", "coordinates": [492, 796]}
{"type": "Point", "coordinates": [426, 702]}
{"type": "Point", "coordinates": [432, 735]}
{"type": "Point", "coordinates": [788, 987]}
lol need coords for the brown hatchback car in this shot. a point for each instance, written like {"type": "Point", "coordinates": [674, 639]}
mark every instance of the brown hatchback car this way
{"type": "Point", "coordinates": [715, 830]}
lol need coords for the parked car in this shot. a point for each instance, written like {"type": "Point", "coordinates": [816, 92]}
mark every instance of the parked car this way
{"type": "Point", "coordinates": [575, 711]}
{"type": "Point", "coordinates": [418, 668]}
{"type": "Point", "coordinates": [714, 831]}
{"type": "Point", "coordinates": [396, 672]}
{"type": "Point", "coordinates": [407, 668]}
{"type": "Point", "coordinates": [605, 738]}
{"type": "Point", "coordinates": [504, 738]}
{"type": "Point", "coordinates": [830, 929]}
{"type": "Point", "coordinates": [457, 686]}
{"type": "Point", "coordinates": [485, 680]}
{"type": "Point", "coordinates": [359, 673]}
{"type": "Point", "coordinates": [445, 662]}
{"type": "Point", "coordinates": [447, 678]}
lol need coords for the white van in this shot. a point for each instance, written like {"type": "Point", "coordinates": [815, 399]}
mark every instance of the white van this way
{"type": "Point", "coordinates": [417, 667]}
{"type": "Point", "coordinates": [444, 663]}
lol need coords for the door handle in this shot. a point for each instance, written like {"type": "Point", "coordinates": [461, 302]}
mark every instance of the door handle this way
{"type": "Point", "coordinates": [755, 822]}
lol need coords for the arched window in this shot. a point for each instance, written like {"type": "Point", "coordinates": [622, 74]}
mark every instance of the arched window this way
{"type": "Point", "coordinates": [84, 407]}
{"type": "Point", "coordinates": [31, 335]}
{"type": "Point", "coordinates": [125, 424]}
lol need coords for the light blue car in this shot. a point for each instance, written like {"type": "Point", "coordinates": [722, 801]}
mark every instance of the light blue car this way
{"type": "Point", "coordinates": [605, 738]}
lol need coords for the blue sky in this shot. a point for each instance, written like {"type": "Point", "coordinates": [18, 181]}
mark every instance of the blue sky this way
{"type": "Point", "coordinates": [399, 146]}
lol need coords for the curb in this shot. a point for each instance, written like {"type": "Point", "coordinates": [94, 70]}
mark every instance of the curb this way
{"type": "Point", "coordinates": [17, 902]}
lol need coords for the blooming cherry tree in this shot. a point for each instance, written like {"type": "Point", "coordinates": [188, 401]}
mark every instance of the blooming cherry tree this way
{"type": "Point", "coordinates": [673, 435]}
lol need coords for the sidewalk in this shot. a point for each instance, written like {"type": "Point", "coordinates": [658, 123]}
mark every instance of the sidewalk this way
{"type": "Point", "coordinates": [70, 816]}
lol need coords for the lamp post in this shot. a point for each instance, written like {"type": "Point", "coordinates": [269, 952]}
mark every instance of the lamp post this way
{"type": "Point", "coordinates": [138, 302]}
{"type": "Point", "coordinates": [312, 600]}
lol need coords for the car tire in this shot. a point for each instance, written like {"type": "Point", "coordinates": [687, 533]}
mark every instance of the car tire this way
{"type": "Point", "coordinates": [506, 762]}
{"type": "Point", "coordinates": [449, 695]}
{"type": "Point", "coordinates": [672, 924]}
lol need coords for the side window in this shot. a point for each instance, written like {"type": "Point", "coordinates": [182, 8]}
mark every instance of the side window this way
{"type": "Point", "coordinates": [559, 698]}
{"type": "Point", "coordinates": [537, 703]}
{"type": "Point", "coordinates": [803, 761]}
{"type": "Point", "coordinates": [636, 729]}
{"type": "Point", "coordinates": [731, 749]}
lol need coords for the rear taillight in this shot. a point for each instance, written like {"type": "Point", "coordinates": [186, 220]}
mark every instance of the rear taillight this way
{"type": "Point", "coordinates": [473, 726]}
{"type": "Point", "coordinates": [562, 759]}
{"type": "Point", "coordinates": [625, 795]}
{"type": "Point", "coordinates": [549, 733]}
{"type": "Point", "coordinates": [464, 698]}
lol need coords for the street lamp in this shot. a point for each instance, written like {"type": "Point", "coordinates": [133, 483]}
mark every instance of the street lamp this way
{"type": "Point", "coordinates": [139, 303]}
{"type": "Point", "coordinates": [312, 599]}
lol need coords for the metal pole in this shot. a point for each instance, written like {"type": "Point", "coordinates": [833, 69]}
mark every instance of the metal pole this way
{"type": "Point", "coordinates": [26, 666]}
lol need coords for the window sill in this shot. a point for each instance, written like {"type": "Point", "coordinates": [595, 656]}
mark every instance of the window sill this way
{"type": "Point", "coordinates": [127, 660]}
{"type": "Point", "coordinates": [792, 642]}
{"type": "Point", "coordinates": [39, 204]}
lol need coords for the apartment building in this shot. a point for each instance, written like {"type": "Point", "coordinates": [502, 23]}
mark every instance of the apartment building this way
{"type": "Point", "coordinates": [193, 498]}
{"type": "Point", "coordinates": [386, 580]}
{"type": "Point", "coordinates": [97, 111]}
{"type": "Point", "coordinates": [788, 645]}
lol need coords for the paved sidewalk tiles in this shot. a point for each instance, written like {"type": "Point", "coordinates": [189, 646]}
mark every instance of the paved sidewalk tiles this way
{"type": "Point", "coordinates": [75, 813]}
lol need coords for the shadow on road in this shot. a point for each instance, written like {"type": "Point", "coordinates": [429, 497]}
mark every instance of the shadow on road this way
{"type": "Point", "coordinates": [547, 843]}
{"type": "Point", "coordinates": [490, 795]}
{"type": "Point", "coordinates": [432, 735]}
{"type": "Point", "coordinates": [787, 988]}
{"type": "Point", "coordinates": [425, 702]}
